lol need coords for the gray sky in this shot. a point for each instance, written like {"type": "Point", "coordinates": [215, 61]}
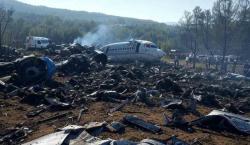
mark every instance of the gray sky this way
{"type": "Point", "coordinates": [158, 10]}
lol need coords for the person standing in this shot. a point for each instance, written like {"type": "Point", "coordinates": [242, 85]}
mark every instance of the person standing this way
{"type": "Point", "coordinates": [216, 63]}
{"type": "Point", "coordinates": [176, 60]}
{"type": "Point", "coordinates": [187, 61]}
{"type": "Point", "coordinates": [234, 65]}
{"type": "Point", "coordinates": [207, 63]}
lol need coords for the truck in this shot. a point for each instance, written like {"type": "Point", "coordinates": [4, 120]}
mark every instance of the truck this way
{"type": "Point", "coordinates": [34, 42]}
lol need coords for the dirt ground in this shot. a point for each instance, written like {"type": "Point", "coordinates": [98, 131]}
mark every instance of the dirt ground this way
{"type": "Point", "coordinates": [12, 113]}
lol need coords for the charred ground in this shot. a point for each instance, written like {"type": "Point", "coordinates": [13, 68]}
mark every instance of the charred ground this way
{"type": "Point", "coordinates": [88, 90]}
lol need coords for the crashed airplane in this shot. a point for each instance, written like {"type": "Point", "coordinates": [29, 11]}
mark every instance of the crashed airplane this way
{"type": "Point", "coordinates": [133, 50]}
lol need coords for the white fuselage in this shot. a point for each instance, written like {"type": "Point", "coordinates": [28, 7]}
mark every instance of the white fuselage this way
{"type": "Point", "coordinates": [133, 50]}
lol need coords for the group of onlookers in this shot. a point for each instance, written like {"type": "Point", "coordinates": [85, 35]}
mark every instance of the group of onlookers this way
{"type": "Point", "coordinates": [216, 61]}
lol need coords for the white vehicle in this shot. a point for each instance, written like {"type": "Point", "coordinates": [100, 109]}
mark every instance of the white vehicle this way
{"type": "Point", "coordinates": [37, 42]}
{"type": "Point", "coordinates": [133, 50]}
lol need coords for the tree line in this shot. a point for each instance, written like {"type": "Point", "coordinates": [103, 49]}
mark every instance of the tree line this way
{"type": "Point", "coordinates": [58, 30]}
{"type": "Point", "coordinates": [223, 30]}
{"type": "Point", "coordinates": [65, 31]}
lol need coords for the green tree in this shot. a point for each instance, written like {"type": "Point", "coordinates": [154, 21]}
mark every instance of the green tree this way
{"type": "Point", "coordinates": [243, 25]}
{"type": "Point", "coordinates": [224, 12]}
{"type": "Point", "coordinates": [206, 30]}
{"type": "Point", "coordinates": [5, 18]}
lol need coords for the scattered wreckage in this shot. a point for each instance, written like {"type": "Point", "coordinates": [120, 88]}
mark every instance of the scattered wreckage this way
{"type": "Point", "coordinates": [33, 70]}
{"type": "Point", "coordinates": [134, 121]}
{"type": "Point", "coordinates": [77, 135]}
{"type": "Point", "coordinates": [30, 69]}
{"type": "Point", "coordinates": [77, 85]}
{"type": "Point", "coordinates": [219, 120]}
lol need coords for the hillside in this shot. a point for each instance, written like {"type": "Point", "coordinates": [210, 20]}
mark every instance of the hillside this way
{"type": "Point", "coordinates": [65, 26]}
{"type": "Point", "coordinates": [22, 8]}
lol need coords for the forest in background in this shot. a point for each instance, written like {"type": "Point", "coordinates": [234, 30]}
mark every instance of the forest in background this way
{"type": "Point", "coordinates": [64, 26]}
{"type": "Point", "coordinates": [222, 30]}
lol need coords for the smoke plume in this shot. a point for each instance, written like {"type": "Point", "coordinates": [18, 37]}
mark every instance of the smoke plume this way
{"type": "Point", "coordinates": [101, 36]}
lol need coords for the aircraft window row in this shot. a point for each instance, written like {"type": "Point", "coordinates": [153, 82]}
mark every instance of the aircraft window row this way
{"type": "Point", "coordinates": [150, 46]}
{"type": "Point", "coordinates": [119, 49]}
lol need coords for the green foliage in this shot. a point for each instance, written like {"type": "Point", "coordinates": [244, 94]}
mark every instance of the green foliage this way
{"type": "Point", "coordinates": [200, 30]}
{"type": "Point", "coordinates": [63, 26]}
{"type": "Point", "coordinates": [223, 31]}
{"type": "Point", "coordinates": [65, 31]}
{"type": "Point", "coordinates": [5, 19]}
{"type": "Point", "coordinates": [60, 31]}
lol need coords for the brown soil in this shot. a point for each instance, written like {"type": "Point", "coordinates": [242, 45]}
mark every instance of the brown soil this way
{"type": "Point", "coordinates": [12, 113]}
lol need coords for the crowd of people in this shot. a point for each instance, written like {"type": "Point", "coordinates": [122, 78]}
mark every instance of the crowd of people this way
{"type": "Point", "coordinates": [214, 62]}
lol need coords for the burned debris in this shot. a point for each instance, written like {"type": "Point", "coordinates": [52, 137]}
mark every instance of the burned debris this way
{"type": "Point", "coordinates": [77, 62]}
{"type": "Point", "coordinates": [168, 85]}
{"type": "Point", "coordinates": [220, 121]}
{"type": "Point", "coordinates": [115, 103]}
{"type": "Point", "coordinates": [137, 122]}
{"type": "Point", "coordinates": [29, 70]}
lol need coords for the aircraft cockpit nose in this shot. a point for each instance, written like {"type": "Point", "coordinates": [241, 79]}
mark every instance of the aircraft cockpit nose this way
{"type": "Point", "coordinates": [161, 53]}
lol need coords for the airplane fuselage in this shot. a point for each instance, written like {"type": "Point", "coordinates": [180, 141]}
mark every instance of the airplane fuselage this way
{"type": "Point", "coordinates": [133, 50]}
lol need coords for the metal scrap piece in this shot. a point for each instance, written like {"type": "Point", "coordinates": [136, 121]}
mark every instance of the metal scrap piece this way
{"type": "Point", "coordinates": [119, 106]}
{"type": "Point", "coordinates": [94, 125]}
{"type": "Point", "coordinates": [133, 120]}
{"type": "Point", "coordinates": [86, 139]}
{"type": "Point", "coordinates": [229, 121]}
{"type": "Point", "coordinates": [54, 117]}
{"type": "Point", "coordinates": [150, 142]}
{"type": "Point", "coordinates": [175, 141]}
{"type": "Point", "coordinates": [36, 111]}
{"type": "Point", "coordinates": [116, 127]}
{"type": "Point", "coordinates": [56, 138]}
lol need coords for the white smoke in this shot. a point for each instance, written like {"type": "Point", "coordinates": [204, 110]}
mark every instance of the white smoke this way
{"type": "Point", "coordinates": [101, 36]}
